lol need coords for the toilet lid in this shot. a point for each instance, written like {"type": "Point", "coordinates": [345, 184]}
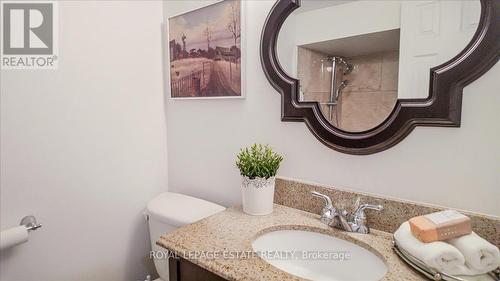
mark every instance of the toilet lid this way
{"type": "Point", "coordinates": [178, 209]}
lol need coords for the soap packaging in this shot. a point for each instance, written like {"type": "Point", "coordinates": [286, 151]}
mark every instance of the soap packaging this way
{"type": "Point", "coordinates": [440, 226]}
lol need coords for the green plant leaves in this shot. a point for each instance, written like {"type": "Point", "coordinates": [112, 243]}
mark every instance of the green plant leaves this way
{"type": "Point", "coordinates": [258, 161]}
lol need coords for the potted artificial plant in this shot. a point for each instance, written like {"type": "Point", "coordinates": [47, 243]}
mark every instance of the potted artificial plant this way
{"type": "Point", "coordinates": [258, 166]}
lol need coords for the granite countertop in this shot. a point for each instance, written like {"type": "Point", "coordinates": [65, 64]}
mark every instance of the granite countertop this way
{"type": "Point", "coordinates": [232, 230]}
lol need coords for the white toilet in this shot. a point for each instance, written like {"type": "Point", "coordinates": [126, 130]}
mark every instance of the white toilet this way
{"type": "Point", "coordinates": [169, 211]}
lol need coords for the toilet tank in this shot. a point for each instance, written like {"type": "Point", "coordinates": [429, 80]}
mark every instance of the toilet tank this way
{"type": "Point", "coordinates": [169, 211]}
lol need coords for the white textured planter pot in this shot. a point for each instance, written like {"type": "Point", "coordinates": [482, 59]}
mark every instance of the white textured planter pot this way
{"type": "Point", "coordinates": [257, 196]}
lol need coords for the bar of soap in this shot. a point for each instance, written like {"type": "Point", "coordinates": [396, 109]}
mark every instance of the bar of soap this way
{"type": "Point", "coordinates": [440, 226]}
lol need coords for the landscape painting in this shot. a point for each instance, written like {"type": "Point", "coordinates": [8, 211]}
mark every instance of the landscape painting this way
{"type": "Point", "coordinates": [205, 52]}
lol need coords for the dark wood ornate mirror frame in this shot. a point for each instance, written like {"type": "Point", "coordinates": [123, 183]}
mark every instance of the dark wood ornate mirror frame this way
{"type": "Point", "coordinates": [441, 109]}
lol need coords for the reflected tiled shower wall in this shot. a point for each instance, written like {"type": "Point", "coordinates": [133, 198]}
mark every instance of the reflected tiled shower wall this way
{"type": "Point", "coordinates": [369, 96]}
{"type": "Point", "coordinates": [372, 91]}
{"type": "Point", "coordinates": [315, 77]}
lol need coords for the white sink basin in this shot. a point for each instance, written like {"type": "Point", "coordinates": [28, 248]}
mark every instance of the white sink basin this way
{"type": "Point", "coordinates": [297, 252]}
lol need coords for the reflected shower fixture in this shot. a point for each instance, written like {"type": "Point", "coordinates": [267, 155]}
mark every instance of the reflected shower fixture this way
{"type": "Point", "coordinates": [335, 90]}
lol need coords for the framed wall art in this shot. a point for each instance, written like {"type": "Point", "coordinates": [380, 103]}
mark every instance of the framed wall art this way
{"type": "Point", "coordinates": [205, 52]}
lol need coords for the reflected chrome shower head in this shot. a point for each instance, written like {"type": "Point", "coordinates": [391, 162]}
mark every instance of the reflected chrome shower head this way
{"type": "Point", "coordinates": [344, 62]}
{"type": "Point", "coordinates": [348, 68]}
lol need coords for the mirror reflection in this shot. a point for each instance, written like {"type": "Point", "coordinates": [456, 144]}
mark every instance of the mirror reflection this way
{"type": "Point", "coordinates": [357, 58]}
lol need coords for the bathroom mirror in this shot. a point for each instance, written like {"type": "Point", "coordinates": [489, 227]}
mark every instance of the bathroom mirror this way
{"type": "Point", "coordinates": [363, 74]}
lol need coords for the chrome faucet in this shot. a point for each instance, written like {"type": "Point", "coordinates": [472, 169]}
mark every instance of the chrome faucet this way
{"type": "Point", "coordinates": [332, 217]}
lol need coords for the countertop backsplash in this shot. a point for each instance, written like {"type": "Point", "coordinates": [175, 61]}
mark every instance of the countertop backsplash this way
{"type": "Point", "coordinates": [297, 194]}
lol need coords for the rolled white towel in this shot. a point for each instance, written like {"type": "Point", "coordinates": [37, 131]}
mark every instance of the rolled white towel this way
{"type": "Point", "coordinates": [480, 255]}
{"type": "Point", "coordinates": [438, 255]}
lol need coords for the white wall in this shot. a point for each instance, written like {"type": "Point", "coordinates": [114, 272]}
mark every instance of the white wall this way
{"type": "Point", "coordinates": [83, 147]}
{"type": "Point", "coordinates": [446, 166]}
{"type": "Point", "coordinates": [296, 30]}
{"type": "Point", "coordinates": [346, 20]}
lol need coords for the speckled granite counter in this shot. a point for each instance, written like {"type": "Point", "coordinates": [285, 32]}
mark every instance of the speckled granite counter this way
{"type": "Point", "coordinates": [232, 230]}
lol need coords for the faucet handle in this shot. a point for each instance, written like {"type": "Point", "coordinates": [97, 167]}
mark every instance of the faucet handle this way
{"type": "Point", "coordinates": [328, 202]}
{"type": "Point", "coordinates": [328, 211]}
{"type": "Point", "coordinates": [360, 212]}
{"type": "Point", "coordinates": [359, 220]}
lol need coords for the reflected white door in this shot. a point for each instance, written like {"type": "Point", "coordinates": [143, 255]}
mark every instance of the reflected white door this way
{"type": "Point", "coordinates": [432, 32]}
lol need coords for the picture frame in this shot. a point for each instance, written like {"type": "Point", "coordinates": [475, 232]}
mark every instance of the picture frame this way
{"type": "Point", "coordinates": [207, 66]}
